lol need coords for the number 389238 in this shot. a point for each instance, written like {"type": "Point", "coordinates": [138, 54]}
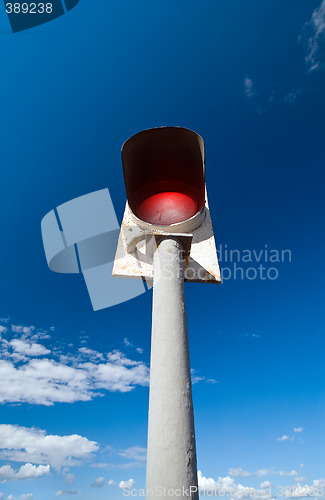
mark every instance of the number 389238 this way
{"type": "Point", "coordinates": [31, 8]}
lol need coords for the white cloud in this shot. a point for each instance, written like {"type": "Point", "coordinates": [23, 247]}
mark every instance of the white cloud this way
{"type": "Point", "coordinates": [28, 348]}
{"type": "Point", "coordinates": [67, 492]}
{"type": "Point", "coordinates": [30, 332]}
{"type": "Point", "coordinates": [25, 496]}
{"type": "Point", "coordinates": [207, 483]}
{"type": "Point", "coordinates": [262, 472]}
{"type": "Point", "coordinates": [287, 473]}
{"type": "Point", "coordinates": [126, 484]}
{"type": "Point", "coordinates": [197, 378]}
{"type": "Point", "coordinates": [70, 478]}
{"type": "Point", "coordinates": [46, 381]}
{"type": "Point", "coordinates": [265, 484]}
{"type": "Point", "coordinates": [248, 86]}
{"type": "Point", "coordinates": [291, 97]}
{"type": "Point", "coordinates": [111, 482]}
{"type": "Point", "coordinates": [21, 444]}
{"type": "Point", "coordinates": [230, 488]}
{"type": "Point", "coordinates": [317, 29]}
{"type": "Point", "coordinates": [31, 373]}
{"type": "Point", "coordinates": [128, 343]}
{"type": "Point", "coordinates": [239, 472]}
{"type": "Point", "coordinates": [99, 483]}
{"type": "Point", "coordinates": [27, 471]}
{"type": "Point", "coordinates": [133, 453]}
{"type": "Point", "coordinates": [222, 483]}
{"type": "Point", "coordinates": [91, 354]}
{"type": "Point", "coordinates": [316, 489]}
{"type": "Point", "coordinates": [301, 479]}
{"type": "Point", "coordinates": [114, 466]}
{"type": "Point", "coordinates": [3, 329]}
{"type": "Point", "coordinates": [27, 330]}
{"type": "Point", "coordinates": [251, 335]}
{"type": "Point", "coordinates": [283, 438]}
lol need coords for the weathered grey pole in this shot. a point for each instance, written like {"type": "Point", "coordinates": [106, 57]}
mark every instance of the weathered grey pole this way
{"type": "Point", "coordinates": [171, 454]}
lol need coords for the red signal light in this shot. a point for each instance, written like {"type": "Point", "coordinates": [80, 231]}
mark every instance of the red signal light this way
{"type": "Point", "coordinates": [167, 208]}
{"type": "Point", "coordinates": [164, 175]}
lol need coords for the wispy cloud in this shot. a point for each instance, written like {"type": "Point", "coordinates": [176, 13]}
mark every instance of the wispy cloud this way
{"type": "Point", "coordinates": [300, 479]}
{"type": "Point", "coordinates": [128, 343]}
{"type": "Point", "coordinates": [69, 479]}
{"type": "Point", "coordinates": [248, 87]}
{"type": "Point", "coordinates": [265, 484]}
{"type": "Point", "coordinates": [291, 97]}
{"type": "Point", "coordinates": [251, 335]}
{"type": "Point", "coordinates": [267, 98]}
{"type": "Point", "coordinates": [135, 456]}
{"type": "Point", "coordinates": [67, 492]}
{"type": "Point", "coordinates": [30, 332]}
{"type": "Point", "coordinates": [5, 320]}
{"type": "Point", "coordinates": [90, 354]}
{"type": "Point", "coordinates": [200, 378]}
{"type": "Point", "coordinates": [24, 496]}
{"type": "Point", "coordinates": [285, 437]}
{"type": "Point", "coordinates": [117, 466]}
{"type": "Point", "coordinates": [315, 30]}
{"type": "Point", "coordinates": [26, 330]}
{"type": "Point", "coordinates": [133, 453]}
{"type": "Point", "coordinates": [239, 472]}
{"type": "Point", "coordinates": [99, 482]}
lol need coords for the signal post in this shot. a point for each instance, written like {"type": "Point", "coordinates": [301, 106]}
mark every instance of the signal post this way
{"type": "Point", "coordinates": [166, 234]}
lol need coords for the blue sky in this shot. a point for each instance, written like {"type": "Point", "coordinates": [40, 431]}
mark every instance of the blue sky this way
{"type": "Point", "coordinates": [248, 76]}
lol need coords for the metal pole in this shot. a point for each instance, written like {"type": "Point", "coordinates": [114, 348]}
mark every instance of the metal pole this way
{"type": "Point", "coordinates": [171, 454]}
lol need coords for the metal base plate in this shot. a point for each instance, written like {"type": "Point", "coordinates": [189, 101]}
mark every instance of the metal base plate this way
{"type": "Point", "coordinates": [136, 247]}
